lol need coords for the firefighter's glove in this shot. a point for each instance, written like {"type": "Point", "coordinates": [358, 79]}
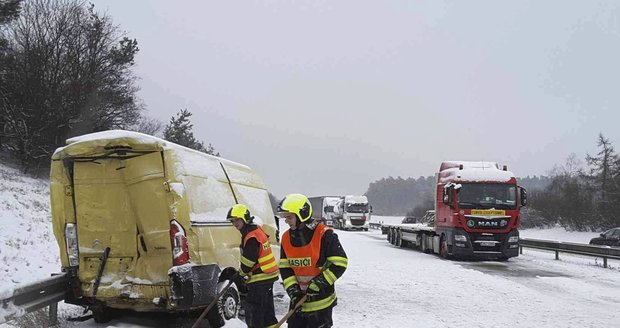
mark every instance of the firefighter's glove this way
{"type": "Point", "coordinates": [240, 279]}
{"type": "Point", "coordinates": [317, 284]}
{"type": "Point", "coordinates": [295, 294]}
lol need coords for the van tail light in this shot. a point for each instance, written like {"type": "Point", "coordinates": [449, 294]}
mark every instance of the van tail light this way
{"type": "Point", "coordinates": [180, 252]}
{"type": "Point", "coordinates": [73, 252]}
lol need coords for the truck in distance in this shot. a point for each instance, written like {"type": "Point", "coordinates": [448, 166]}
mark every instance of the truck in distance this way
{"type": "Point", "coordinates": [323, 208]}
{"type": "Point", "coordinates": [352, 212]}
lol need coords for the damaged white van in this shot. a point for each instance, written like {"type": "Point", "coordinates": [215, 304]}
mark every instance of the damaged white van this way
{"type": "Point", "coordinates": [141, 223]}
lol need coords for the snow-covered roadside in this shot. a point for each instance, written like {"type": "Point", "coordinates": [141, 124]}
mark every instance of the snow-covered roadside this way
{"type": "Point", "coordinates": [28, 249]}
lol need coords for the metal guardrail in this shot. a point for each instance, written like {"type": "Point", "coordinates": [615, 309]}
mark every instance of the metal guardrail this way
{"type": "Point", "coordinates": [28, 298]}
{"type": "Point", "coordinates": [604, 252]}
{"type": "Point", "coordinates": [376, 226]}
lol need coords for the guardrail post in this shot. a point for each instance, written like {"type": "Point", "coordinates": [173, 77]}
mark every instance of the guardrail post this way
{"type": "Point", "coordinates": [53, 314]}
{"type": "Point", "coordinates": [520, 249]}
{"type": "Point", "coordinates": [557, 255]}
{"type": "Point", "coordinates": [604, 262]}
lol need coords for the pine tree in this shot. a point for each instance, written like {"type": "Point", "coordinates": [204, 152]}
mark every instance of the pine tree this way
{"type": "Point", "coordinates": [179, 131]}
{"type": "Point", "coordinates": [605, 172]}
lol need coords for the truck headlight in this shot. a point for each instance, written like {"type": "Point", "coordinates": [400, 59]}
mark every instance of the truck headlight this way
{"type": "Point", "coordinates": [513, 239]}
{"type": "Point", "coordinates": [460, 238]}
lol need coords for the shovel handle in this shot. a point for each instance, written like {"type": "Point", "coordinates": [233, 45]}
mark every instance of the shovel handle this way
{"type": "Point", "coordinates": [217, 297]}
{"type": "Point", "coordinates": [291, 311]}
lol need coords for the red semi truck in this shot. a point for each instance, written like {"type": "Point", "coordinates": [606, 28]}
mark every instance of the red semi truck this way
{"type": "Point", "coordinates": [476, 214]}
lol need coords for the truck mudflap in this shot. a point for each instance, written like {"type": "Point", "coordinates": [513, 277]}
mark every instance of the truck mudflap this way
{"type": "Point", "coordinates": [483, 245]}
{"type": "Point", "coordinates": [193, 285]}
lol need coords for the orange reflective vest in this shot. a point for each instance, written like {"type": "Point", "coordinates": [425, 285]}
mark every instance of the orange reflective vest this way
{"type": "Point", "coordinates": [265, 268]}
{"type": "Point", "coordinates": [303, 260]}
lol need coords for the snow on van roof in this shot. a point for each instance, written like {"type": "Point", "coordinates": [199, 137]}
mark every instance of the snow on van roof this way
{"type": "Point", "coordinates": [115, 134]}
{"type": "Point", "coordinates": [474, 171]}
{"type": "Point", "coordinates": [123, 137]}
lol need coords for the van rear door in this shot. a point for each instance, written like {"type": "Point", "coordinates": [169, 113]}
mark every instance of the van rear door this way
{"type": "Point", "coordinates": [120, 203]}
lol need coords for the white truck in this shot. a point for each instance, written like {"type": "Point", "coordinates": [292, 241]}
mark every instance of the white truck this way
{"type": "Point", "coordinates": [323, 208]}
{"type": "Point", "coordinates": [352, 212]}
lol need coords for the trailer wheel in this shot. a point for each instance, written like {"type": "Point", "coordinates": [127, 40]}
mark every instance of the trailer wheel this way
{"type": "Point", "coordinates": [443, 247]}
{"type": "Point", "coordinates": [403, 243]}
{"type": "Point", "coordinates": [392, 236]}
{"type": "Point", "coordinates": [399, 241]}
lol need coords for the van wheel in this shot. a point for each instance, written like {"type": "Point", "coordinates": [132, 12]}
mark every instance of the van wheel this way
{"type": "Point", "coordinates": [229, 304]}
{"type": "Point", "coordinates": [101, 313]}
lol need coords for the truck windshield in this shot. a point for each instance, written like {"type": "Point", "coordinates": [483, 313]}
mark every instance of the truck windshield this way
{"type": "Point", "coordinates": [357, 208]}
{"type": "Point", "coordinates": [487, 195]}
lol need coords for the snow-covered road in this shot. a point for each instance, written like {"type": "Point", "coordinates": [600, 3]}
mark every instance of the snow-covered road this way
{"type": "Point", "coordinates": [387, 286]}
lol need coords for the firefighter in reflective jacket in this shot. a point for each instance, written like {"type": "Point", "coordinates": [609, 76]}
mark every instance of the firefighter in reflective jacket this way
{"type": "Point", "coordinates": [258, 269]}
{"type": "Point", "coordinates": [311, 260]}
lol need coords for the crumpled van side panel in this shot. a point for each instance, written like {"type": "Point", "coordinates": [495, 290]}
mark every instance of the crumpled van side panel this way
{"type": "Point", "coordinates": [203, 197]}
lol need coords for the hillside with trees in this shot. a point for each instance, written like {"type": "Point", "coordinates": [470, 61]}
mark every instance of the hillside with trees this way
{"type": "Point", "coordinates": [67, 70]}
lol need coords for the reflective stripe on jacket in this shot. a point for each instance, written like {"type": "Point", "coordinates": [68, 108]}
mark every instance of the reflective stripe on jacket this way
{"type": "Point", "coordinates": [266, 267]}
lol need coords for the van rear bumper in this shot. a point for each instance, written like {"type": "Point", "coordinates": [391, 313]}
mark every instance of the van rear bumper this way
{"type": "Point", "coordinates": [193, 285]}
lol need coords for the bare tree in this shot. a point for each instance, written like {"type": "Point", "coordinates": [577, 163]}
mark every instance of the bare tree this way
{"type": "Point", "coordinates": [68, 72]}
{"type": "Point", "coordinates": [148, 125]}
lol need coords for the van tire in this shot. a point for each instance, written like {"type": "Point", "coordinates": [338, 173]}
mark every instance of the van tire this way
{"type": "Point", "coordinates": [101, 313]}
{"type": "Point", "coordinates": [229, 304]}
{"type": "Point", "coordinates": [227, 308]}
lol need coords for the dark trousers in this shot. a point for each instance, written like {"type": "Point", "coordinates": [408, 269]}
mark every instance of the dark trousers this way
{"type": "Point", "coordinates": [259, 311]}
{"type": "Point", "coordinates": [318, 319]}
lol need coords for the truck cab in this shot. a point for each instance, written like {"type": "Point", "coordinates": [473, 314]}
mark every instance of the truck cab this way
{"type": "Point", "coordinates": [352, 213]}
{"type": "Point", "coordinates": [477, 210]}
{"type": "Point", "coordinates": [329, 203]}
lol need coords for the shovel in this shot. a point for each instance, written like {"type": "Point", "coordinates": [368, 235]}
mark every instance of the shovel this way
{"type": "Point", "coordinates": [291, 312]}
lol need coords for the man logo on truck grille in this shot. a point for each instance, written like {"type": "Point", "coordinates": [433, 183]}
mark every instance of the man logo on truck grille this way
{"type": "Point", "coordinates": [300, 262]}
{"type": "Point", "coordinates": [490, 224]}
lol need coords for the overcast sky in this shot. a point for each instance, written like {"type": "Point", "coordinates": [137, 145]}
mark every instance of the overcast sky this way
{"type": "Point", "coordinates": [324, 97]}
